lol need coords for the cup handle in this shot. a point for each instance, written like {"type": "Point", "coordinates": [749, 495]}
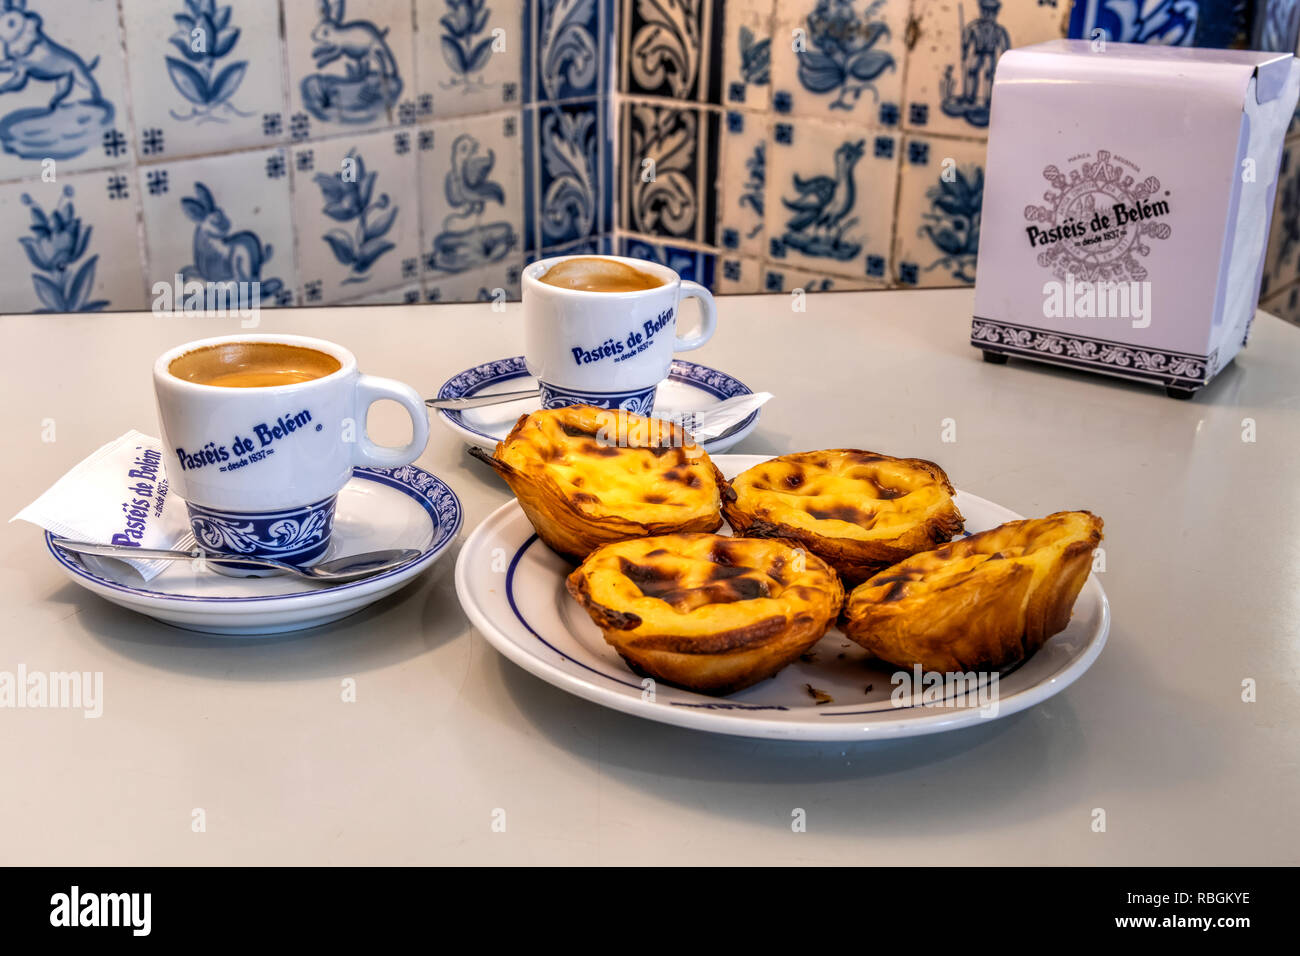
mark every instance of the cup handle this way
{"type": "Point", "coordinates": [708, 311]}
{"type": "Point", "coordinates": [370, 390]}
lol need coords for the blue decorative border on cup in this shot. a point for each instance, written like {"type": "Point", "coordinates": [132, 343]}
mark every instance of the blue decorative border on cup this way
{"type": "Point", "coordinates": [295, 535]}
{"type": "Point", "coordinates": [639, 402]}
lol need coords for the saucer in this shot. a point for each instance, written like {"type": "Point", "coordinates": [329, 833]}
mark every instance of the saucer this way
{"type": "Point", "coordinates": [689, 387]}
{"type": "Point", "coordinates": [833, 692]}
{"type": "Point", "coordinates": [379, 508]}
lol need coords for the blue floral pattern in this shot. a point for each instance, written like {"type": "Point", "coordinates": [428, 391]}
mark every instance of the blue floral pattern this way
{"type": "Point", "coordinates": [296, 535]}
{"type": "Point", "coordinates": [204, 36]}
{"type": "Point", "coordinates": [567, 55]}
{"type": "Point", "coordinates": [841, 57]}
{"type": "Point", "coordinates": [664, 54]}
{"type": "Point", "coordinates": [350, 198]}
{"type": "Point", "coordinates": [55, 248]}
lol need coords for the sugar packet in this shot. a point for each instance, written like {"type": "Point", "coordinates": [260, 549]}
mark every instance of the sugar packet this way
{"type": "Point", "coordinates": [118, 495]}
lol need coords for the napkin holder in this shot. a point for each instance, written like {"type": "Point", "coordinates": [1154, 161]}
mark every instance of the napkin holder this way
{"type": "Point", "coordinates": [1130, 179]}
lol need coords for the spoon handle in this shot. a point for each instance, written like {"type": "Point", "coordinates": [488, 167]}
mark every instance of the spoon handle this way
{"type": "Point", "coordinates": [479, 401]}
{"type": "Point", "coordinates": [160, 554]}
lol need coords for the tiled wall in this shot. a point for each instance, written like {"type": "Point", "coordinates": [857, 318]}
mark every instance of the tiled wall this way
{"type": "Point", "coordinates": [840, 144]}
{"type": "Point", "coordinates": [337, 150]}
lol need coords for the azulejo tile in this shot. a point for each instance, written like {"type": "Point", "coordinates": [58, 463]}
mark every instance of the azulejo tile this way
{"type": "Point", "coordinates": [567, 165]}
{"type": "Point", "coordinates": [694, 264]}
{"type": "Point", "coordinates": [568, 47]}
{"type": "Point", "coordinates": [738, 275]}
{"type": "Point", "coordinates": [839, 59]}
{"type": "Point", "coordinates": [1282, 258]}
{"type": "Point", "coordinates": [667, 187]}
{"type": "Point", "coordinates": [205, 75]}
{"type": "Point", "coordinates": [741, 182]}
{"type": "Point", "coordinates": [62, 89]}
{"type": "Point", "coordinates": [830, 198]}
{"type": "Point", "coordinates": [496, 283]}
{"type": "Point", "coordinates": [73, 245]}
{"type": "Point", "coordinates": [472, 188]}
{"type": "Point", "coordinates": [665, 48]}
{"type": "Point", "coordinates": [469, 56]}
{"type": "Point", "coordinates": [957, 45]}
{"type": "Point", "coordinates": [1203, 23]}
{"type": "Point", "coordinates": [940, 197]}
{"type": "Point", "coordinates": [221, 219]}
{"type": "Point", "coordinates": [746, 44]}
{"type": "Point", "coordinates": [351, 65]}
{"type": "Point", "coordinates": [356, 210]}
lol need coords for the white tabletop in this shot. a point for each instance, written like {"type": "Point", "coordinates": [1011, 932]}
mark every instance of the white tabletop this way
{"type": "Point", "coordinates": [1202, 570]}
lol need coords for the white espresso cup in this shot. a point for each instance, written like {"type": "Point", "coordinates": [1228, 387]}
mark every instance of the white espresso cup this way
{"type": "Point", "coordinates": [260, 468]}
{"type": "Point", "coordinates": [607, 349]}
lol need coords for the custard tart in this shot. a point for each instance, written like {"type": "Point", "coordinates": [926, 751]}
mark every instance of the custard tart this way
{"type": "Point", "coordinates": [858, 510]}
{"type": "Point", "coordinates": [710, 613]}
{"type": "Point", "coordinates": [589, 476]}
{"type": "Point", "coordinates": [982, 603]}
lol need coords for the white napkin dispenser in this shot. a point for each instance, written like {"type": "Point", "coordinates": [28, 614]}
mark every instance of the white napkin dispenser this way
{"type": "Point", "coordinates": [1127, 197]}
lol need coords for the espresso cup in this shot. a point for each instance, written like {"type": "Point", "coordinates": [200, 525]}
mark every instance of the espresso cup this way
{"type": "Point", "coordinates": [261, 432]}
{"type": "Point", "coordinates": [603, 345]}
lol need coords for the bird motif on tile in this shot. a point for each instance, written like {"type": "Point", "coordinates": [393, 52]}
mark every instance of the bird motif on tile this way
{"type": "Point", "coordinates": [823, 201]}
{"type": "Point", "coordinates": [468, 185]}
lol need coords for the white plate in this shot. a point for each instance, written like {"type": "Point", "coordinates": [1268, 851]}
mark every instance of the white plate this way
{"type": "Point", "coordinates": [527, 615]}
{"type": "Point", "coordinates": [379, 508]}
{"type": "Point", "coordinates": [689, 387]}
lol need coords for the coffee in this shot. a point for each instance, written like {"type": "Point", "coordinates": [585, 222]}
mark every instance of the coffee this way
{"type": "Point", "coordinates": [253, 365]}
{"type": "Point", "coordinates": [593, 274]}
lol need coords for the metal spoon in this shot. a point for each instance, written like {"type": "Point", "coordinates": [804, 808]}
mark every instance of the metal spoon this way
{"type": "Point", "coordinates": [354, 567]}
{"type": "Point", "coordinates": [479, 401]}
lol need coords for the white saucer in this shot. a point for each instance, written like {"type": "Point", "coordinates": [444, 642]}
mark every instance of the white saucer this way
{"type": "Point", "coordinates": [379, 508]}
{"type": "Point", "coordinates": [689, 387]}
{"type": "Point", "coordinates": [535, 623]}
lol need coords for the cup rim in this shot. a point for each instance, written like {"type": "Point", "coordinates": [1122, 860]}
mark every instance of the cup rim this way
{"type": "Point", "coordinates": [533, 270]}
{"type": "Point", "coordinates": [163, 374]}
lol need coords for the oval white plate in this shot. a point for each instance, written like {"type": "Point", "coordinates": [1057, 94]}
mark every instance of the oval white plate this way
{"type": "Point", "coordinates": [690, 386]}
{"type": "Point", "coordinates": [379, 508]}
{"type": "Point", "coordinates": [526, 614]}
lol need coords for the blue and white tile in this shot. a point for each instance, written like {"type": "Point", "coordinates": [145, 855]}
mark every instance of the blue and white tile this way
{"type": "Point", "coordinates": [73, 245]}
{"type": "Point", "coordinates": [1282, 257]}
{"type": "Point", "coordinates": [568, 48]}
{"type": "Point", "coordinates": [664, 47]}
{"type": "Point", "coordinates": [222, 219]}
{"type": "Point", "coordinates": [409, 294]}
{"type": "Point", "coordinates": [591, 246]}
{"type": "Point", "coordinates": [351, 65]}
{"type": "Point", "coordinates": [567, 166]}
{"type": "Point", "coordinates": [741, 182]}
{"type": "Point", "coordinates": [840, 60]}
{"type": "Point", "coordinates": [694, 264]}
{"type": "Point", "coordinates": [469, 56]}
{"type": "Point", "coordinates": [1275, 25]}
{"type": "Point", "coordinates": [746, 54]}
{"type": "Point", "coordinates": [948, 90]}
{"type": "Point", "coordinates": [357, 213]}
{"type": "Point", "coordinates": [1201, 23]}
{"type": "Point", "coordinates": [49, 46]}
{"type": "Point", "coordinates": [498, 282]}
{"type": "Point", "coordinates": [738, 275]}
{"type": "Point", "coordinates": [778, 278]}
{"type": "Point", "coordinates": [940, 198]}
{"type": "Point", "coordinates": [665, 187]}
{"type": "Point", "coordinates": [830, 198]}
{"type": "Point", "coordinates": [205, 75]}
{"type": "Point", "coordinates": [471, 183]}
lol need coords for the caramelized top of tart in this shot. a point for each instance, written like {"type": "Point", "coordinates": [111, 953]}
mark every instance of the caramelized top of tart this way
{"type": "Point", "coordinates": [701, 584]}
{"type": "Point", "coordinates": [1037, 544]}
{"type": "Point", "coordinates": [845, 493]}
{"type": "Point", "coordinates": [614, 464]}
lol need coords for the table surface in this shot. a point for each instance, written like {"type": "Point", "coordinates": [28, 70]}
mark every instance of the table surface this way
{"type": "Point", "coordinates": [1202, 559]}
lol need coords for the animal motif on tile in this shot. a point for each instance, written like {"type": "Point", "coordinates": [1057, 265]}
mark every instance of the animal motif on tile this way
{"type": "Point", "coordinates": [983, 40]}
{"type": "Point", "coordinates": [566, 47]}
{"type": "Point", "coordinates": [55, 248]}
{"type": "Point", "coordinates": [464, 49]}
{"type": "Point", "coordinates": [755, 57]}
{"type": "Point", "coordinates": [77, 115]}
{"type": "Point", "coordinates": [952, 222]}
{"type": "Point", "coordinates": [204, 36]}
{"type": "Point", "coordinates": [822, 208]}
{"type": "Point", "coordinates": [219, 255]}
{"type": "Point", "coordinates": [666, 47]}
{"type": "Point", "coordinates": [840, 55]}
{"type": "Point", "coordinates": [350, 200]}
{"type": "Point", "coordinates": [568, 207]}
{"type": "Point", "coordinates": [466, 241]}
{"type": "Point", "coordinates": [662, 184]}
{"type": "Point", "coordinates": [370, 83]}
